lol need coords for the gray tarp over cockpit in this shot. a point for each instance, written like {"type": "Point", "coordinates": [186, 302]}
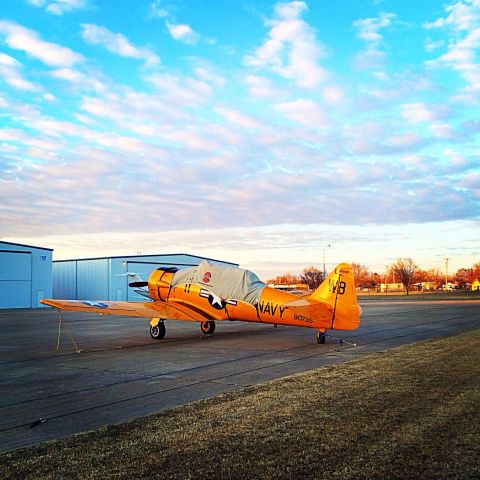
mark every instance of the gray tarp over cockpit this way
{"type": "Point", "coordinates": [229, 283]}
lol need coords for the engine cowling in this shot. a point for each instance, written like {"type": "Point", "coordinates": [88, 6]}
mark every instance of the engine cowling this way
{"type": "Point", "coordinates": [159, 283]}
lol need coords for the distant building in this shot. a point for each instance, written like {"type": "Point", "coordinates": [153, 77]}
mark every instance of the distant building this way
{"type": "Point", "coordinates": [106, 278]}
{"type": "Point", "coordinates": [367, 288]}
{"type": "Point", "coordinates": [289, 287]}
{"type": "Point", "coordinates": [426, 286]}
{"type": "Point", "coordinates": [391, 287]}
{"type": "Point", "coordinates": [25, 275]}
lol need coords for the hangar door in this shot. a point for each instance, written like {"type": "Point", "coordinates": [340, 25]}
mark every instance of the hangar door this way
{"type": "Point", "coordinates": [15, 279]}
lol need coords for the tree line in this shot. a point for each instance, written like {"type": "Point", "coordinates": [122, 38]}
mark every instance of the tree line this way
{"type": "Point", "coordinates": [403, 270]}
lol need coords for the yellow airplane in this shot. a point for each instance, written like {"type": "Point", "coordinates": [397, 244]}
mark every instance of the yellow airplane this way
{"type": "Point", "coordinates": [210, 292]}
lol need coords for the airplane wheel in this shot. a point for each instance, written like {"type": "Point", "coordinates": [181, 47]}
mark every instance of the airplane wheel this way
{"type": "Point", "coordinates": [158, 331]}
{"type": "Point", "coordinates": [208, 327]}
{"type": "Point", "coordinates": [321, 337]}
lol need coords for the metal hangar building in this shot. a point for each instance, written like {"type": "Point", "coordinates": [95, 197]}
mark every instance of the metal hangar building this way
{"type": "Point", "coordinates": [25, 275]}
{"type": "Point", "coordinates": [107, 278]}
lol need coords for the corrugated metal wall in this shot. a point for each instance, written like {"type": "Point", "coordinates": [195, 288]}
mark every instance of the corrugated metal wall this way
{"type": "Point", "coordinates": [93, 279]}
{"type": "Point", "coordinates": [25, 275]}
{"type": "Point", "coordinates": [65, 279]}
{"type": "Point", "coordinates": [81, 279]}
{"type": "Point", "coordinates": [16, 279]}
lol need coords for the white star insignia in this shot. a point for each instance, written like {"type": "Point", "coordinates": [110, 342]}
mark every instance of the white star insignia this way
{"type": "Point", "coordinates": [216, 300]}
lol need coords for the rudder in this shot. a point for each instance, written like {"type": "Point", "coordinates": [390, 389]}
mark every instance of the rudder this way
{"type": "Point", "coordinates": [338, 290]}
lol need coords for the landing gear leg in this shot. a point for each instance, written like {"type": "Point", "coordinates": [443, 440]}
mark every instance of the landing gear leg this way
{"type": "Point", "coordinates": [157, 329]}
{"type": "Point", "coordinates": [207, 327]}
{"type": "Point", "coordinates": [321, 337]}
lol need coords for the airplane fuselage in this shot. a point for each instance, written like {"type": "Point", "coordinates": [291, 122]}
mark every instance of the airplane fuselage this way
{"type": "Point", "coordinates": [273, 306]}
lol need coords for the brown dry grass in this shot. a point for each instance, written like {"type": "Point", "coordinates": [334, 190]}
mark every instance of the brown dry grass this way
{"type": "Point", "coordinates": [409, 413]}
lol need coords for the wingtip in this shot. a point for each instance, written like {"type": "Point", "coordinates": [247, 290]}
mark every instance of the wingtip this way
{"type": "Point", "coordinates": [49, 302]}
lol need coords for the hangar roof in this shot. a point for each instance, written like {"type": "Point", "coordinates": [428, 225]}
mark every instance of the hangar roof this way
{"type": "Point", "coordinates": [146, 256]}
{"type": "Point", "coordinates": [23, 245]}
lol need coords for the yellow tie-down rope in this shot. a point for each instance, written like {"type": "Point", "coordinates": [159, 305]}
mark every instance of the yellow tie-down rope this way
{"type": "Point", "coordinates": [77, 350]}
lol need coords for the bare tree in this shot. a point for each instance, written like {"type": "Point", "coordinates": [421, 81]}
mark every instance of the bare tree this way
{"type": "Point", "coordinates": [475, 272]}
{"type": "Point", "coordinates": [405, 269]}
{"type": "Point", "coordinates": [312, 277]}
{"type": "Point", "coordinates": [285, 279]}
{"type": "Point", "coordinates": [361, 274]}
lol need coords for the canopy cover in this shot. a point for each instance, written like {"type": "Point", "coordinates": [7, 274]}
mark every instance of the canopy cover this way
{"type": "Point", "coordinates": [229, 283]}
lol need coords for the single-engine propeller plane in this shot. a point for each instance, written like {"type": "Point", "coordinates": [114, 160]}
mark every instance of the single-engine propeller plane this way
{"type": "Point", "coordinates": [210, 293]}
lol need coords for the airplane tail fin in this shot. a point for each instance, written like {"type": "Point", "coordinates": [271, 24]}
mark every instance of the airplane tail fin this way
{"type": "Point", "coordinates": [134, 277]}
{"type": "Point", "coordinates": [338, 290]}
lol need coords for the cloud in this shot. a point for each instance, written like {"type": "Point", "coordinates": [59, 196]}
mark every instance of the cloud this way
{"type": "Point", "coordinates": [262, 87]}
{"type": "Point", "coordinates": [184, 90]}
{"type": "Point", "coordinates": [462, 25]}
{"type": "Point", "coordinates": [431, 45]}
{"type": "Point", "coordinates": [81, 80]}
{"type": "Point", "coordinates": [56, 128]}
{"type": "Point", "coordinates": [471, 181]}
{"type": "Point", "coordinates": [442, 130]}
{"type": "Point", "coordinates": [117, 43]}
{"type": "Point", "coordinates": [333, 94]}
{"type": "Point", "coordinates": [228, 151]}
{"type": "Point", "coordinates": [183, 33]}
{"type": "Point", "coordinates": [462, 15]}
{"type": "Point", "coordinates": [291, 49]}
{"type": "Point", "coordinates": [10, 72]}
{"type": "Point", "coordinates": [28, 41]}
{"type": "Point", "coordinates": [368, 29]}
{"type": "Point", "coordinates": [58, 7]}
{"type": "Point", "coordinates": [405, 141]}
{"type": "Point", "coordinates": [150, 115]}
{"type": "Point", "coordinates": [420, 112]}
{"type": "Point", "coordinates": [208, 74]}
{"type": "Point", "coordinates": [157, 10]}
{"type": "Point", "coordinates": [303, 111]}
{"type": "Point", "coordinates": [370, 59]}
{"type": "Point", "coordinates": [237, 118]}
{"type": "Point", "coordinates": [219, 180]}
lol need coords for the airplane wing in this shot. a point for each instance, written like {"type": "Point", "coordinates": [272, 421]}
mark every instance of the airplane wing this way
{"type": "Point", "coordinates": [131, 309]}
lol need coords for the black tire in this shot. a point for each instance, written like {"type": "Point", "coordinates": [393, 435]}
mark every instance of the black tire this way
{"type": "Point", "coordinates": [321, 337]}
{"type": "Point", "coordinates": [158, 331]}
{"type": "Point", "coordinates": [207, 327]}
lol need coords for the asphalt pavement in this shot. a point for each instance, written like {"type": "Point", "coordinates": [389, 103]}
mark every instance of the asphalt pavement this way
{"type": "Point", "coordinates": [108, 370]}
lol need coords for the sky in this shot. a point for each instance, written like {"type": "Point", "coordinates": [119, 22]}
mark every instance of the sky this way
{"type": "Point", "coordinates": [276, 135]}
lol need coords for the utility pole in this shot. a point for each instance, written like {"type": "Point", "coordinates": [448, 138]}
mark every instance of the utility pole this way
{"type": "Point", "coordinates": [446, 270]}
{"type": "Point", "coordinates": [324, 271]}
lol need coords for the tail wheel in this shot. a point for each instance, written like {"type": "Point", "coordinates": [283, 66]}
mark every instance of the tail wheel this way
{"type": "Point", "coordinates": [321, 336]}
{"type": "Point", "coordinates": [157, 332]}
{"type": "Point", "coordinates": [208, 327]}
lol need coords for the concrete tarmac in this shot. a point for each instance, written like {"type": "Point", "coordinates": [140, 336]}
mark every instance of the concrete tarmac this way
{"type": "Point", "coordinates": [108, 370]}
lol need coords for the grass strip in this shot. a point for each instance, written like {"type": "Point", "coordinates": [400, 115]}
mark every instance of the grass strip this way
{"type": "Point", "coordinates": [411, 412]}
{"type": "Point", "coordinates": [421, 296]}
